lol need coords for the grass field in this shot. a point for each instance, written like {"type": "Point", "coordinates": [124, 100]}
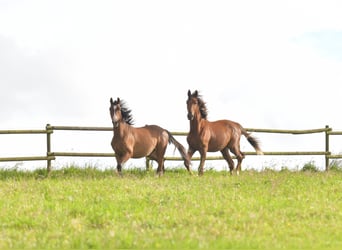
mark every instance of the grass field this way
{"type": "Point", "coordinates": [88, 208]}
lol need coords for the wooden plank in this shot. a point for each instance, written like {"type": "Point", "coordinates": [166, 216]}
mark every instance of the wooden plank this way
{"type": "Point", "coordinates": [176, 158]}
{"type": "Point", "coordinates": [334, 132]}
{"type": "Point", "coordinates": [334, 156]}
{"type": "Point", "coordinates": [287, 131]}
{"type": "Point", "coordinates": [24, 131]}
{"type": "Point", "coordinates": [82, 128]}
{"type": "Point", "coordinates": [82, 154]}
{"type": "Point", "coordinates": [28, 158]}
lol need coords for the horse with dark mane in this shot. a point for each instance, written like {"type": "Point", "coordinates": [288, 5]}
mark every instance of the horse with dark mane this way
{"type": "Point", "coordinates": [222, 135]}
{"type": "Point", "coordinates": [130, 142]}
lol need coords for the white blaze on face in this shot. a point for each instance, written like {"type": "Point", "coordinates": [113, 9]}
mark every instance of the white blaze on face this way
{"type": "Point", "coordinates": [115, 117]}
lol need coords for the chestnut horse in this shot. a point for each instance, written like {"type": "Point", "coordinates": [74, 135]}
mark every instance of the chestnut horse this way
{"type": "Point", "coordinates": [222, 135]}
{"type": "Point", "coordinates": [130, 142]}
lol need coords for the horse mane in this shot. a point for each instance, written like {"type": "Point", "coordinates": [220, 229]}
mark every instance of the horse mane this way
{"type": "Point", "coordinates": [202, 107]}
{"type": "Point", "coordinates": [126, 113]}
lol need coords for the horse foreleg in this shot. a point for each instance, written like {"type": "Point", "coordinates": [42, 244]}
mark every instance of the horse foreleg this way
{"type": "Point", "coordinates": [119, 169]}
{"type": "Point", "coordinates": [187, 165]}
{"type": "Point", "coordinates": [120, 161]}
{"type": "Point", "coordinates": [201, 165]}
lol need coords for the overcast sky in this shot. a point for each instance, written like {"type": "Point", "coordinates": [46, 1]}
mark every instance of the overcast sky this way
{"type": "Point", "coordinates": [264, 64]}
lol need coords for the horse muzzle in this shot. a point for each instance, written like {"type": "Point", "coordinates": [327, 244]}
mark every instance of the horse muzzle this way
{"type": "Point", "coordinates": [190, 116]}
{"type": "Point", "coordinates": [115, 124]}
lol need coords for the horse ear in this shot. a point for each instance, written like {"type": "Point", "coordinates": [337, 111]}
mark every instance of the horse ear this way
{"type": "Point", "coordinates": [196, 93]}
{"type": "Point", "coordinates": [118, 100]}
{"type": "Point", "coordinates": [189, 93]}
{"type": "Point", "coordinates": [111, 100]}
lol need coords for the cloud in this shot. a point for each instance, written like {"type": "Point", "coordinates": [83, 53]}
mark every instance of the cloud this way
{"type": "Point", "coordinates": [36, 85]}
{"type": "Point", "coordinates": [264, 64]}
{"type": "Point", "coordinates": [328, 43]}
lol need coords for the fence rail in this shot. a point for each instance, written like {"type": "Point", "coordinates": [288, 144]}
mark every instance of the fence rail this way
{"type": "Point", "coordinates": [50, 156]}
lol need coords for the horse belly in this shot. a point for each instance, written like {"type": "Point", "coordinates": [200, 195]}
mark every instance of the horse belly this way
{"type": "Point", "coordinates": [217, 142]}
{"type": "Point", "coordinates": [214, 147]}
{"type": "Point", "coordinates": [143, 148]}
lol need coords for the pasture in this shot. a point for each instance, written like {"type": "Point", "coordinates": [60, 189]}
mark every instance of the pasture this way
{"type": "Point", "coordinates": [88, 208]}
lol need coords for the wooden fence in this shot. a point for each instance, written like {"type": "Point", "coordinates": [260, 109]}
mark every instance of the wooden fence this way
{"type": "Point", "coordinates": [50, 156]}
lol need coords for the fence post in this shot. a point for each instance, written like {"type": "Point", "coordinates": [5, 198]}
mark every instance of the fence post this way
{"type": "Point", "coordinates": [327, 152]}
{"type": "Point", "coordinates": [49, 131]}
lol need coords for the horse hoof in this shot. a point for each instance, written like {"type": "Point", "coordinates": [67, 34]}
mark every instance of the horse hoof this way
{"type": "Point", "coordinates": [159, 174]}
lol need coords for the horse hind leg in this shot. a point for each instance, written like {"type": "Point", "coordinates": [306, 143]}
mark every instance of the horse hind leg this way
{"type": "Point", "coordinates": [228, 158]}
{"type": "Point", "coordinates": [159, 158]}
{"type": "Point", "coordinates": [239, 156]}
{"type": "Point", "coordinates": [160, 169]}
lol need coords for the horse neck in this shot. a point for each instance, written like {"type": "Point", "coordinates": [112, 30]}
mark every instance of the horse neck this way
{"type": "Point", "coordinates": [195, 124]}
{"type": "Point", "coordinates": [121, 130]}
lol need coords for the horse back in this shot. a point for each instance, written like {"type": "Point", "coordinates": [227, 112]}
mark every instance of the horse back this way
{"type": "Point", "coordinates": [225, 129]}
{"type": "Point", "coordinates": [222, 126]}
{"type": "Point", "coordinates": [148, 138]}
{"type": "Point", "coordinates": [153, 131]}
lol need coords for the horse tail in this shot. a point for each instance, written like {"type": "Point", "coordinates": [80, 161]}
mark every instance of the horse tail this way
{"type": "Point", "coordinates": [180, 148]}
{"type": "Point", "coordinates": [253, 141]}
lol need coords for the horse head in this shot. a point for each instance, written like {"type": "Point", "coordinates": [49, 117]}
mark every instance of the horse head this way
{"type": "Point", "coordinates": [115, 111]}
{"type": "Point", "coordinates": [119, 112]}
{"type": "Point", "coordinates": [196, 106]}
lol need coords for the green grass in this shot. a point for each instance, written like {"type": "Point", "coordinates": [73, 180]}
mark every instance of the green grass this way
{"type": "Point", "coordinates": [88, 208]}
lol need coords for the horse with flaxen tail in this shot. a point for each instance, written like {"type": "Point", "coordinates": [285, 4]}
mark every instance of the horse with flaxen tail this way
{"type": "Point", "coordinates": [130, 142]}
{"type": "Point", "coordinates": [221, 135]}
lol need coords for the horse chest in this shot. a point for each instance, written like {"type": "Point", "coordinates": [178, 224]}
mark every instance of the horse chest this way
{"type": "Point", "coordinates": [122, 144]}
{"type": "Point", "coordinates": [120, 147]}
{"type": "Point", "coordinates": [198, 140]}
